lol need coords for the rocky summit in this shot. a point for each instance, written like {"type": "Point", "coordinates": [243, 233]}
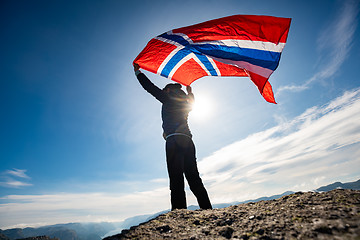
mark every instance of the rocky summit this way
{"type": "Point", "coordinates": [303, 215]}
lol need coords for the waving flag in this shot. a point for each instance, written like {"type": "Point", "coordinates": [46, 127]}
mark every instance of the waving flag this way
{"type": "Point", "coordinates": [239, 45]}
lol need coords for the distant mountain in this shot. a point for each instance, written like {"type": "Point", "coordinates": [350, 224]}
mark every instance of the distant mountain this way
{"type": "Point", "coordinates": [268, 198]}
{"type": "Point", "coordinates": [3, 236]}
{"type": "Point", "coordinates": [223, 205]}
{"type": "Point", "coordinates": [339, 185]}
{"type": "Point", "coordinates": [58, 232]}
{"type": "Point", "coordinates": [69, 231]}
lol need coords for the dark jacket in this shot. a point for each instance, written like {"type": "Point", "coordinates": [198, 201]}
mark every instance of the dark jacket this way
{"type": "Point", "coordinates": [176, 106]}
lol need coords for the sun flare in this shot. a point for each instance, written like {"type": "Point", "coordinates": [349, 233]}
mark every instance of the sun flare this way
{"type": "Point", "coordinates": [202, 108]}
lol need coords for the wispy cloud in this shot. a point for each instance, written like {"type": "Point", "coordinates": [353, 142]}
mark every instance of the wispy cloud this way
{"type": "Point", "coordinates": [21, 173]}
{"type": "Point", "coordinates": [26, 210]}
{"type": "Point", "coordinates": [319, 146]}
{"type": "Point", "coordinates": [15, 178]}
{"type": "Point", "coordinates": [334, 44]}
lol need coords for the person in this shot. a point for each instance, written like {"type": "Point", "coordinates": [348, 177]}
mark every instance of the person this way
{"type": "Point", "coordinates": [180, 149]}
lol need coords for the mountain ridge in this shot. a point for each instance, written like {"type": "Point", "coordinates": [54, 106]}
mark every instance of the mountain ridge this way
{"type": "Point", "coordinates": [338, 185]}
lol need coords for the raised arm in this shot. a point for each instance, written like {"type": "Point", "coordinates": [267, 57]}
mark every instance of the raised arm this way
{"type": "Point", "coordinates": [148, 85]}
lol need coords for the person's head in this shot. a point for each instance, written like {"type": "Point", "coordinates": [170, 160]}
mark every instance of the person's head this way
{"type": "Point", "coordinates": [174, 90]}
{"type": "Point", "coordinates": [172, 87]}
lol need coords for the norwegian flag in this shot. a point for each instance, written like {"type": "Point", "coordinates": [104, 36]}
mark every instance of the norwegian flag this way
{"type": "Point", "coordinates": [239, 45]}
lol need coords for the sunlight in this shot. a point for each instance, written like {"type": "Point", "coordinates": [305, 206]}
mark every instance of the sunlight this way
{"type": "Point", "coordinates": [202, 108]}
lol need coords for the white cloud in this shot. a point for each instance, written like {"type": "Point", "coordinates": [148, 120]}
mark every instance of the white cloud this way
{"type": "Point", "coordinates": [334, 44]}
{"type": "Point", "coordinates": [10, 183]}
{"type": "Point", "coordinates": [29, 210]}
{"type": "Point", "coordinates": [10, 178]}
{"type": "Point", "coordinates": [18, 173]}
{"type": "Point", "coordinates": [317, 147]}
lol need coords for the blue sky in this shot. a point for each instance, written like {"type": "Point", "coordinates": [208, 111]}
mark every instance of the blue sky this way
{"type": "Point", "coordinates": [82, 141]}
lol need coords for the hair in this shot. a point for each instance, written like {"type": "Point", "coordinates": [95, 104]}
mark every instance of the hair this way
{"type": "Point", "coordinates": [172, 86]}
{"type": "Point", "coordinates": [175, 91]}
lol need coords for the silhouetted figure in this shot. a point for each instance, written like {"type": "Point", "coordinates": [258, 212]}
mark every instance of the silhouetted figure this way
{"type": "Point", "coordinates": [180, 149]}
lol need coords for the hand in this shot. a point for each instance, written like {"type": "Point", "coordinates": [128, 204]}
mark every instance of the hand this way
{"type": "Point", "coordinates": [188, 89]}
{"type": "Point", "coordinates": [136, 67]}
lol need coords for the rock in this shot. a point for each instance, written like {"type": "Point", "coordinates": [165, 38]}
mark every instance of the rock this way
{"type": "Point", "coordinates": [196, 222]}
{"type": "Point", "coordinates": [323, 229]}
{"type": "Point", "coordinates": [221, 222]}
{"type": "Point", "coordinates": [163, 229]}
{"type": "Point", "coordinates": [226, 232]}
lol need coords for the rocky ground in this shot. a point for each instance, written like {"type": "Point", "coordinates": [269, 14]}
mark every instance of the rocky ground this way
{"type": "Point", "coordinates": [329, 215]}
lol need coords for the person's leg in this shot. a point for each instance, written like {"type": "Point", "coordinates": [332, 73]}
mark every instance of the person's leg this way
{"type": "Point", "coordinates": [193, 177]}
{"type": "Point", "coordinates": [175, 166]}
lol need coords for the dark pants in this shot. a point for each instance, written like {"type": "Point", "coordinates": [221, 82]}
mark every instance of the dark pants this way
{"type": "Point", "coordinates": [181, 159]}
